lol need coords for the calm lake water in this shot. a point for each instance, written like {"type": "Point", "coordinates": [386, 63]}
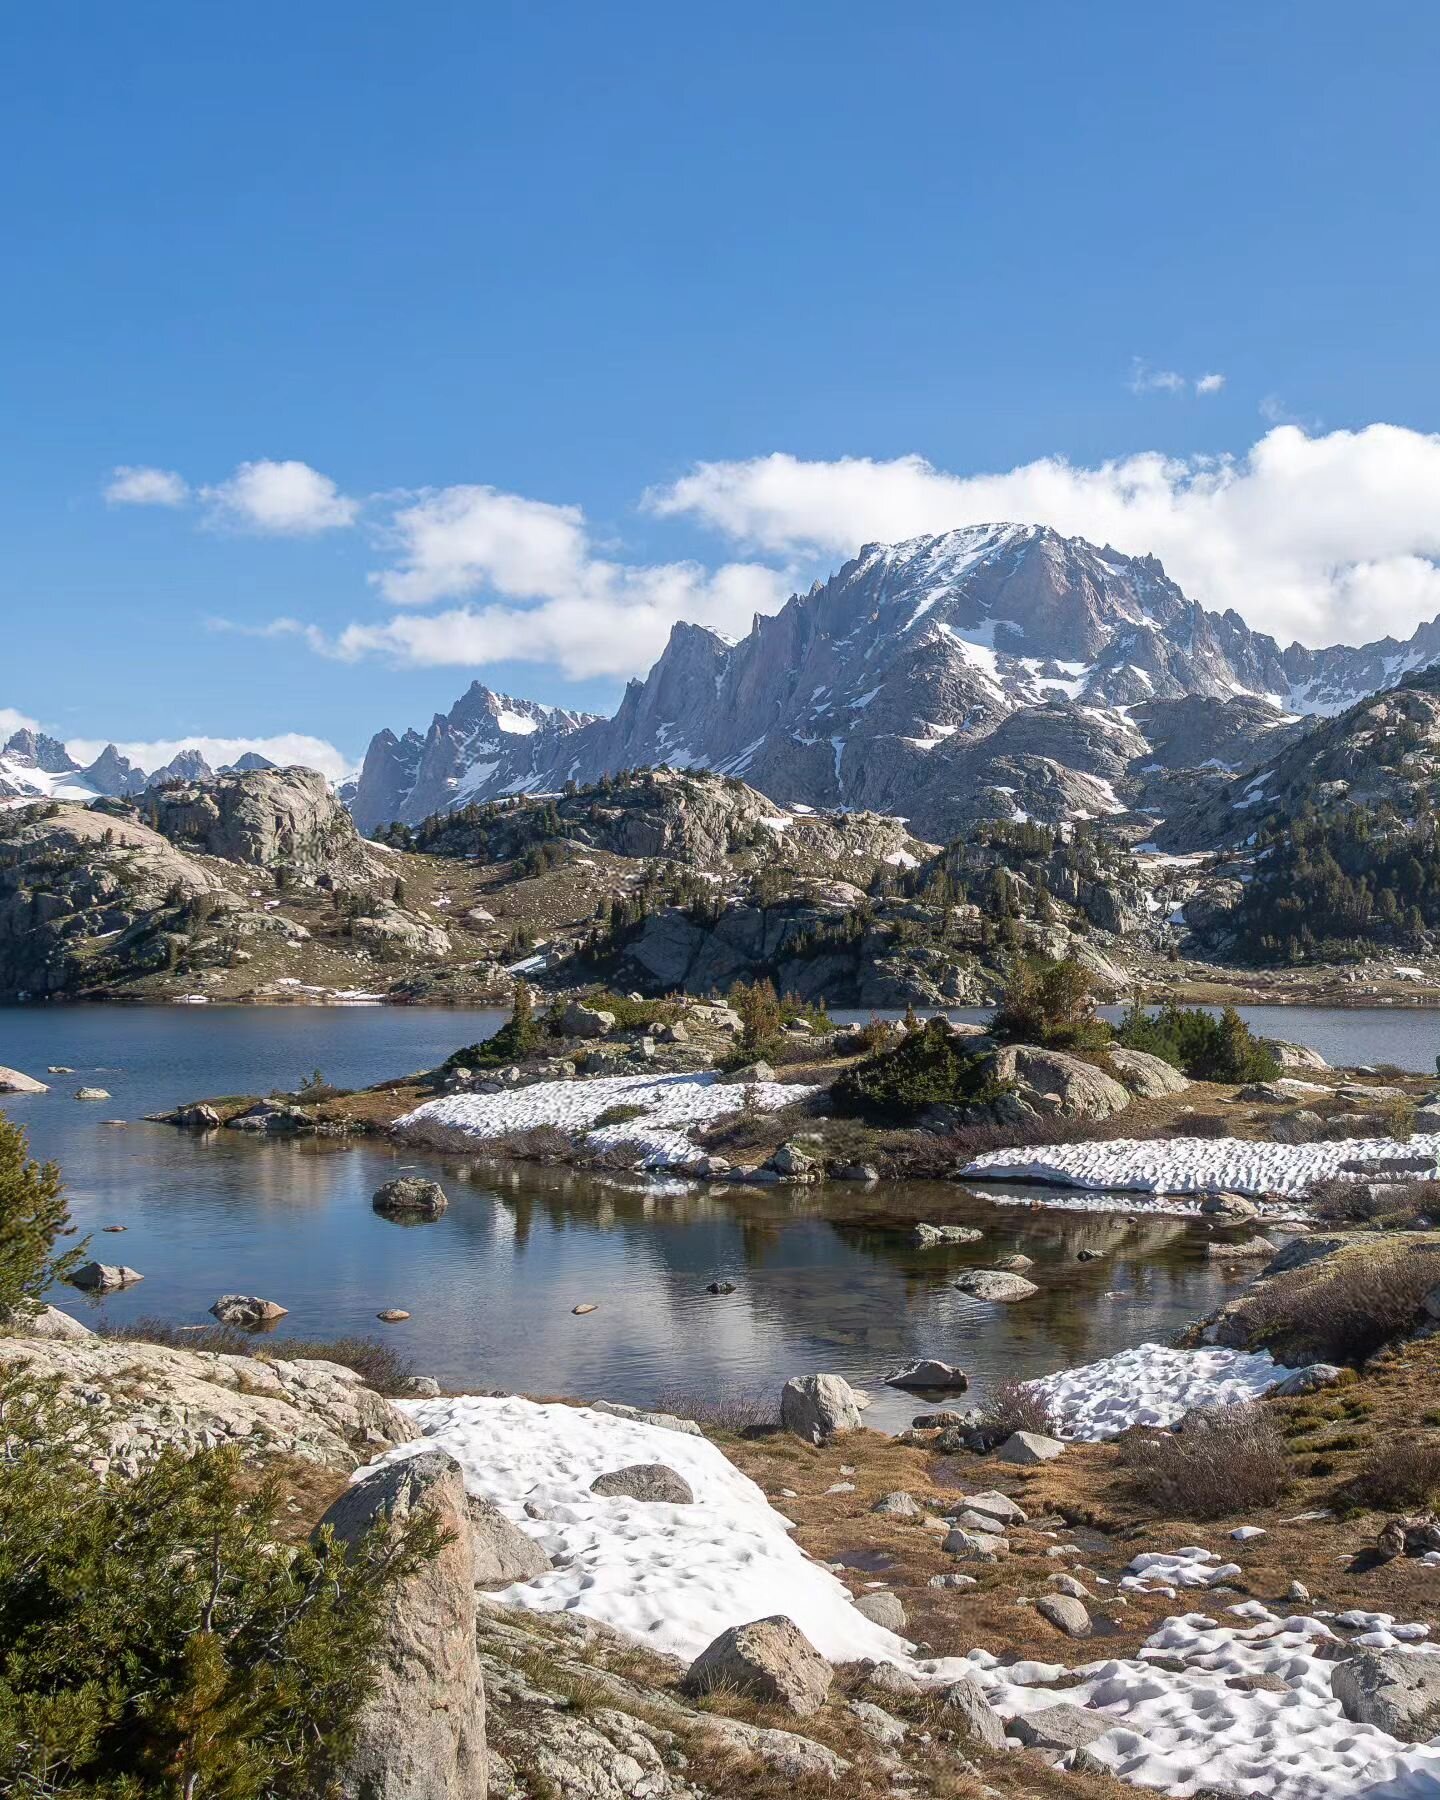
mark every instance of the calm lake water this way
{"type": "Point", "coordinates": [825, 1278]}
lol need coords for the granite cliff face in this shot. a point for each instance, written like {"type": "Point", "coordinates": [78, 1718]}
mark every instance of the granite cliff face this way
{"type": "Point", "coordinates": [991, 672]}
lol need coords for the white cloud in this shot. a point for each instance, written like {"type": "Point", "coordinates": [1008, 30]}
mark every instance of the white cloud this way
{"type": "Point", "coordinates": [130, 485]}
{"type": "Point", "coordinates": [280, 499]}
{"type": "Point", "coordinates": [615, 623]}
{"type": "Point", "coordinates": [1327, 539]}
{"type": "Point", "coordinates": [557, 600]}
{"type": "Point", "coordinates": [12, 721]}
{"type": "Point", "coordinates": [1145, 380]}
{"type": "Point", "coordinates": [284, 749]}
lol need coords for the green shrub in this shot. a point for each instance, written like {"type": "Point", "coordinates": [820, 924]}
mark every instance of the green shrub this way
{"type": "Point", "coordinates": [1051, 1003]}
{"type": "Point", "coordinates": [928, 1067]}
{"type": "Point", "coordinates": [32, 1215]}
{"type": "Point", "coordinates": [1197, 1043]}
{"type": "Point", "coordinates": [161, 1641]}
{"type": "Point", "coordinates": [634, 1015]}
{"type": "Point", "coordinates": [618, 1115]}
{"type": "Point", "coordinates": [760, 1017]}
{"type": "Point", "coordinates": [514, 1041]}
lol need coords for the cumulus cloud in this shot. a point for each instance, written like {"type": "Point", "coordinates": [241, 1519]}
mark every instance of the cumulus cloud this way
{"type": "Point", "coordinates": [556, 600]}
{"type": "Point", "coordinates": [614, 623]}
{"type": "Point", "coordinates": [132, 485]}
{"type": "Point", "coordinates": [1146, 380]}
{"type": "Point", "coordinates": [285, 749]}
{"type": "Point", "coordinates": [1326, 539]}
{"type": "Point", "coordinates": [12, 721]}
{"type": "Point", "coordinates": [280, 499]}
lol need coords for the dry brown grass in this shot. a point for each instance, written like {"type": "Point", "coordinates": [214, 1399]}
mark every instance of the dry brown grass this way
{"type": "Point", "coordinates": [1346, 1307]}
{"type": "Point", "coordinates": [1402, 1475]}
{"type": "Point", "coordinates": [1225, 1459]}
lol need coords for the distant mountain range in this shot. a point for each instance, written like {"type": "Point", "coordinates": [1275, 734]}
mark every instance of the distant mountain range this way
{"type": "Point", "coordinates": [36, 767]}
{"type": "Point", "coordinates": [995, 671]}
{"type": "Point", "coordinates": [999, 671]}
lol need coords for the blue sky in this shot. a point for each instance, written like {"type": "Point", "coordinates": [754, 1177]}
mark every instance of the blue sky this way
{"type": "Point", "coordinates": [455, 340]}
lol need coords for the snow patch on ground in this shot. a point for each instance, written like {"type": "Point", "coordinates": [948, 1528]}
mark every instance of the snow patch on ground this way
{"type": "Point", "coordinates": [1152, 1385]}
{"type": "Point", "coordinates": [1186, 1730]}
{"type": "Point", "coordinates": [1193, 1165]}
{"type": "Point", "coordinates": [673, 1576]}
{"type": "Point", "coordinates": [672, 1105]}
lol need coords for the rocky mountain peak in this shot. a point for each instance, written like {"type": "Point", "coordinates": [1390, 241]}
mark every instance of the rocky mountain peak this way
{"type": "Point", "coordinates": [34, 750]}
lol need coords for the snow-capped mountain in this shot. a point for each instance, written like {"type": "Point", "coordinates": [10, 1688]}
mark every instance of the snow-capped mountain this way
{"type": "Point", "coordinates": [486, 744]}
{"type": "Point", "coordinates": [36, 767]}
{"type": "Point", "coordinates": [992, 671]}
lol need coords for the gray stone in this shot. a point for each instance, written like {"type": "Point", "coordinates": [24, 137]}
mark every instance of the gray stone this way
{"type": "Point", "coordinates": [1060, 1727]}
{"type": "Point", "coordinates": [997, 1506]}
{"type": "Point", "coordinates": [410, 1197]}
{"type": "Point", "coordinates": [1228, 1206]}
{"type": "Point", "coordinates": [769, 1659]}
{"type": "Point", "coordinates": [1015, 1264]}
{"type": "Point", "coordinates": [199, 1117]}
{"type": "Point", "coordinates": [976, 1546]}
{"type": "Point", "coordinates": [1148, 1077]}
{"type": "Point", "coordinates": [1245, 1250]}
{"type": "Point", "coordinates": [898, 1505]}
{"type": "Point", "coordinates": [248, 1310]}
{"type": "Point", "coordinates": [1052, 1084]}
{"type": "Point", "coordinates": [615, 1409]}
{"type": "Point", "coordinates": [644, 1481]}
{"type": "Point", "coordinates": [927, 1372]}
{"type": "Point", "coordinates": [100, 1278]}
{"type": "Point", "coordinates": [423, 1387]}
{"type": "Point", "coordinates": [1294, 1056]}
{"type": "Point", "coordinates": [879, 1726]}
{"type": "Point", "coordinates": [501, 1551]}
{"type": "Point", "coordinates": [952, 1581]}
{"type": "Point", "coordinates": [856, 1172]}
{"type": "Point", "coordinates": [1066, 1613]}
{"type": "Point", "coordinates": [92, 1093]}
{"type": "Point", "coordinates": [928, 1236]}
{"type": "Point", "coordinates": [882, 1608]}
{"type": "Point", "coordinates": [818, 1407]}
{"type": "Point", "coordinates": [421, 1732]}
{"type": "Point", "coordinates": [1303, 1127]}
{"type": "Point", "coordinates": [794, 1163]}
{"type": "Point", "coordinates": [1029, 1447]}
{"type": "Point", "coordinates": [1395, 1690]}
{"type": "Point", "coordinates": [967, 1709]}
{"type": "Point", "coordinates": [1067, 1584]}
{"type": "Point", "coordinates": [1307, 1380]}
{"type": "Point", "coordinates": [579, 1020]}
{"type": "Point", "coordinates": [743, 1077]}
{"type": "Point", "coordinates": [995, 1284]}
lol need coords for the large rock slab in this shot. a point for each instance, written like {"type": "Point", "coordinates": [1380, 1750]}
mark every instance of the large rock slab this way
{"type": "Point", "coordinates": [929, 1372]}
{"type": "Point", "coordinates": [13, 1082]}
{"type": "Point", "coordinates": [1396, 1690]}
{"type": "Point", "coordinates": [770, 1660]}
{"type": "Point", "coordinates": [819, 1407]}
{"type": "Point", "coordinates": [140, 1397]}
{"type": "Point", "coordinates": [1060, 1727]}
{"type": "Point", "coordinates": [421, 1732]}
{"type": "Point", "coordinates": [967, 1709]}
{"type": "Point", "coordinates": [1028, 1448]}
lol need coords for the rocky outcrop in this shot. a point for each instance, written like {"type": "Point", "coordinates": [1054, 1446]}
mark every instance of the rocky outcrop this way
{"type": "Point", "coordinates": [13, 1082]}
{"type": "Point", "coordinates": [1051, 1084]}
{"type": "Point", "coordinates": [139, 1397]}
{"type": "Point", "coordinates": [421, 1731]}
{"type": "Point", "coordinates": [267, 819]}
{"type": "Point", "coordinates": [410, 1197]}
{"type": "Point", "coordinates": [1148, 1077]}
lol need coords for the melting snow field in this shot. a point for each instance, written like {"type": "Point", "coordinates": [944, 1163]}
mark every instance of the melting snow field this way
{"type": "Point", "coordinates": [674, 1576]}
{"type": "Point", "coordinates": [1193, 1165]}
{"type": "Point", "coordinates": [1186, 1730]}
{"type": "Point", "coordinates": [671, 1103]}
{"type": "Point", "coordinates": [1152, 1385]}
